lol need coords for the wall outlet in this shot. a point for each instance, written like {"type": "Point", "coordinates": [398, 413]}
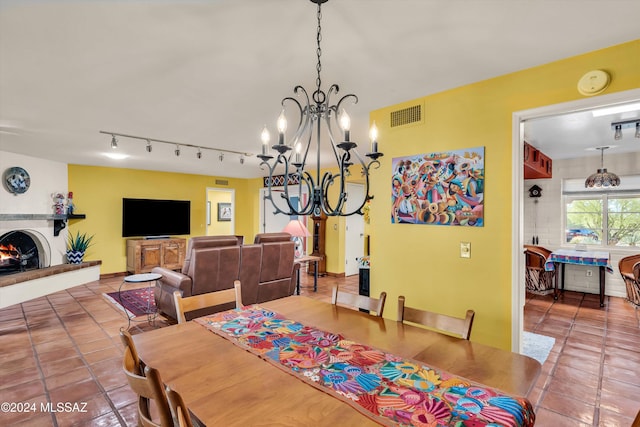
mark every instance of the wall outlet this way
{"type": "Point", "coordinates": [589, 273]}
{"type": "Point", "coordinates": [465, 249]}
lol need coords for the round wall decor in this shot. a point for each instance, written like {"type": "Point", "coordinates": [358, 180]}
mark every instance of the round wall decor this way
{"type": "Point", "coordinates": [593, 82]}
{"type": "Point", "coordinates": [16, 180]}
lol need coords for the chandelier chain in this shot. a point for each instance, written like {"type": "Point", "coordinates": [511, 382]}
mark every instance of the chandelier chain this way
{"type": "Point", "coordinates": [317, 95]}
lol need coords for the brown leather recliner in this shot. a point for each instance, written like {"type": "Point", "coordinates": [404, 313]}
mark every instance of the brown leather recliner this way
{"type": "Point", "coordinates": [630, 270]}
{"type": "Point", "coordinates": [266, 270]}
{"type": "Point", "coordinates": [212, 263]}
{"type": "Point", "coordinates": [538, 280]}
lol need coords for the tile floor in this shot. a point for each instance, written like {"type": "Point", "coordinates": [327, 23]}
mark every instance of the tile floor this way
{"type": "Point", "coordinates": [66, 348]}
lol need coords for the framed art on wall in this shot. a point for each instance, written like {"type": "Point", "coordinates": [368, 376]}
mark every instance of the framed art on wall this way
{"type": "Point", "coordinates": [224, 212]}
{"type": "Point", "coordinates": [445, 188]}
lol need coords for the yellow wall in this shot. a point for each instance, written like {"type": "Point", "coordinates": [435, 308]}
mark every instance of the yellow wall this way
{"type": "Point", "coordinates": [423, 262]}
{"type": "Point", "coordinates": [98, 193]}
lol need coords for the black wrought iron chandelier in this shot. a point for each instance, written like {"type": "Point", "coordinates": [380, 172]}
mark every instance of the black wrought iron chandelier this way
{"type": "Point", "coordinates": [296, 180]}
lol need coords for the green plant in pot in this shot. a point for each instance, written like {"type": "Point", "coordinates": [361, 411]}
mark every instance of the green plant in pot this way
{"type": "Point", "coordinates": [76, 247]}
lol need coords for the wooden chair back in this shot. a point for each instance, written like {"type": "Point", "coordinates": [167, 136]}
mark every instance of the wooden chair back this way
{"type": "Point", "coordinates": [179, 408]}
{"type": "Point", "coordinates": [210, 299]}
{"type": "Point", "coordinates": [441, 322]}
{"type": "Point", "coordinates": [148, 388]}
{"type": "Point", "coordinates": [127, 340]}
{"type": "Point", "coordinates": [359, 301]}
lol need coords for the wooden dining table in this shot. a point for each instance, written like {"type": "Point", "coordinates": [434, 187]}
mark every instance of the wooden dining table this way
{"type": "Point", "coordinates": [224, 384]}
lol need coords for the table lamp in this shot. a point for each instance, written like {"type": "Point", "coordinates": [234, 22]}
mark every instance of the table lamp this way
{"type": "Point", "coordinates": [298, 231]}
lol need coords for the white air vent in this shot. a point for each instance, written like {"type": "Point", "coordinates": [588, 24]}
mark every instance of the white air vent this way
{"type": "Point", "coordinates": [406, 116]}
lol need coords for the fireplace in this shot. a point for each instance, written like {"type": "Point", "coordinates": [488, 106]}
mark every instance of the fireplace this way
{"type": "Point", "coordinates": [23, 250]}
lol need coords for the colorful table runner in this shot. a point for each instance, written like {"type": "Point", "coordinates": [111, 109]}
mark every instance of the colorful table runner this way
{"type": "Point", "coordinates": [568, 256]}
{"type": "Point", "coordinates": [391, 390]}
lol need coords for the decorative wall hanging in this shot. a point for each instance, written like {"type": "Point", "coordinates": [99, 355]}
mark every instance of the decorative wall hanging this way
{"type": "Point", "coordinates": [445, 188]}
{"type": "Point", "coordinates": [16, 180]}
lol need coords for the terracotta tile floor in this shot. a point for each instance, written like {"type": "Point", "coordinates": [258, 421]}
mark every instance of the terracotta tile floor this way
{"type": "Point", "coordinates": [66, 348]}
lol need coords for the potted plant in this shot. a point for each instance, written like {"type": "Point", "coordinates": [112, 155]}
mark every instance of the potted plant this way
{"type": "Point", "coordinates": [77, 246]}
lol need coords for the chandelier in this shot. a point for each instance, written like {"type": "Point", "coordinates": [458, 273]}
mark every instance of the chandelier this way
{"type": "Point", "coordinates": [296, 155]}
{"type": "Point", "coordinates": [602, 178]}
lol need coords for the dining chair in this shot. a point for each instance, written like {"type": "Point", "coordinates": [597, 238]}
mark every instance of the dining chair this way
{"type": "Point", "coordinates": [441, 322]}
{"type": "Point", "coordinates": [127, 340]}
{"type": "Point", "coordinates": [210, 299]}
{"type": "Point", "coordinates": [359, 301]}
{"type": "Point", "coordinates": [149, 388]}
{"type": "Point", "coordinates": [179, 409]}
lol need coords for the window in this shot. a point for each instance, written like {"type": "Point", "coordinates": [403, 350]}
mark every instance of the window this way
{"type": "Point", "coordinates": [606, 218]}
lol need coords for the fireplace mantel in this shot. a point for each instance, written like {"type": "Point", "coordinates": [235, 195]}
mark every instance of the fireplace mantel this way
{"type": "Point", "coordinates": [58, 220]}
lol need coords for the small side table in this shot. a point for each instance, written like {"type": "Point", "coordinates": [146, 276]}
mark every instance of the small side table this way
{"type": "Point", "coordinates": [306, 259]}
{"type": "Point", "coordinates": [151, 312]}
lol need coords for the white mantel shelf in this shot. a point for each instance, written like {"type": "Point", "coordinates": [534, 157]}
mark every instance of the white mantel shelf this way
{"type": "Point", "coordinates": [23, 217]}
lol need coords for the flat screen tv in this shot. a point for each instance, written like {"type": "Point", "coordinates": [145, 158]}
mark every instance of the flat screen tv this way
{"type": "Point", "coordinates": [155, 218]}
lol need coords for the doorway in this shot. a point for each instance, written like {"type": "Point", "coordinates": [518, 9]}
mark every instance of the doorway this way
{"type": "Point", "coordinates": [220, 211]}
{"type": "Point", "coordinates": [354, 231]}
{"type": "Point", "coordinates": [517, 213]}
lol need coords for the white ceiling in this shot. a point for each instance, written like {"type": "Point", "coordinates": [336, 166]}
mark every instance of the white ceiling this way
{"type": "Point", "coordinates": [212, 73]}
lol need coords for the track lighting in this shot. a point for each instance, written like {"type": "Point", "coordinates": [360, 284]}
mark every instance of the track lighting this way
{"type": "Point", "coordinates": [221, 156]}
{"type": "Point", "coordinates": [618, 133]}
{"type": "Point", "coordinates": [242, 160]}
{"type": "Point", "coordinates": [178, 145]}
{"type": "Point", "coordinates": [625, 124]}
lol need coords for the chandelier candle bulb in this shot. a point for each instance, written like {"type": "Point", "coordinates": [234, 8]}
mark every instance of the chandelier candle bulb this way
{"type": "Point", "coordinates": [373, 135]}
{"type": "Point", "coordinates": [265, 137]}
{"type": "Point", "coordinates": [282, 127]}
{"type": "Point", "coordinates": [345, 124]}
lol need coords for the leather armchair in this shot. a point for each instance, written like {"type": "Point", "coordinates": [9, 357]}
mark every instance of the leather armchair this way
{"type": "Point", "coordinates": [630, 270]}
{"type": "Point", "coordinates": [266, 270]}
{"type": "Point", "coordinates": [212, 263]}
{"type": "Point", "coordinates": [538, 280]}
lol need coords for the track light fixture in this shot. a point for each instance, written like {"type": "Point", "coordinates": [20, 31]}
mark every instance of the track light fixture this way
{"type": "Point", "coordinates": [619, 126]}
{"type": "Point", "coordinates": [178, 145]}
{"type": "Point", "coordinates": [618, 133]}
{"type": "Point", "coordinates": [221, 156]}
{"type": "Point", "coordinates": [242, 160]}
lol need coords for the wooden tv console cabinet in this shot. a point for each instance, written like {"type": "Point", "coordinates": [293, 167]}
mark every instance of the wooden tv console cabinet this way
{"type": "Point", "coordinates": [144, 254]}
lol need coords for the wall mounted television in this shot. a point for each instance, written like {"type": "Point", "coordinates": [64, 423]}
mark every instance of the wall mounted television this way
{"type": "Point", "coordinates": [155, 218]}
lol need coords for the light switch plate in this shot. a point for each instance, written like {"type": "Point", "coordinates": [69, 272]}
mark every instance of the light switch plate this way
{"type": "Point", "coordinates": [465, 249]}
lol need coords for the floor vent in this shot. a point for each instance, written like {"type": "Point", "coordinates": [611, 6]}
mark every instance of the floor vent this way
{"type": "Point", "coordinates": [406, 116]}
{"type": "Point", "coordinates": [222, 182]}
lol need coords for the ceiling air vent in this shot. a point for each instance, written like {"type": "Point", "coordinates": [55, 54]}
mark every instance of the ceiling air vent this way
{"type": "Point", "coordinates": [406, 116]}
{"type": "Point", "coordinates": [222, 182]}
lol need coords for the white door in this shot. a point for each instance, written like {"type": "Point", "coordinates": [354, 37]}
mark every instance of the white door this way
{"type": "Point", "coordinates": [271, 222]}
{"type": "Point", "coordinates": [354, 231]}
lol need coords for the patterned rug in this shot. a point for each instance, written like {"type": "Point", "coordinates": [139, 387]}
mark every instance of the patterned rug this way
{"type": "Point", "coordinates": [537, 346]}
{"type": "Point", "coordinates": [135, 302]}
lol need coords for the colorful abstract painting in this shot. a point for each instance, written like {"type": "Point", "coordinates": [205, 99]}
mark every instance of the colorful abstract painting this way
{"type": "Point", "coordinates": [445, 188]}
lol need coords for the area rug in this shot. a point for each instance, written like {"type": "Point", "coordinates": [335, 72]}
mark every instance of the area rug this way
{"type": "Point", "coordinates": [537, 346]}
{"type": "Point", "coordinates": [135, 302]}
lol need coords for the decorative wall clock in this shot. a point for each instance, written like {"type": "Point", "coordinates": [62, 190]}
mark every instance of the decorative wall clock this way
{"type": "Point", "coordinates": [16, 180]}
